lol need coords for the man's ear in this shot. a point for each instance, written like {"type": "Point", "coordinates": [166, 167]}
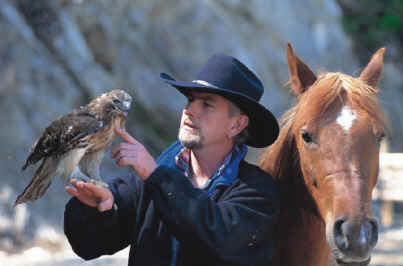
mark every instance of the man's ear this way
{"type": "Point", "coordinates": [240, 123]}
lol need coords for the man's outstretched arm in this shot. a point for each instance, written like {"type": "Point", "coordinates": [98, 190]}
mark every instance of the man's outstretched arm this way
{"type": "Point", "coordinates": [91, 225]}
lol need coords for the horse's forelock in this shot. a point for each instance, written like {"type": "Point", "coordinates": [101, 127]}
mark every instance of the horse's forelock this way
{"type": "Point", "coordinates": [331, 88]}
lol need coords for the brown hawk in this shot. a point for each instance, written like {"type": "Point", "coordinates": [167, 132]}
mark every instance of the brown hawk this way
{"type": "Point", "coordinates": [78, 139]}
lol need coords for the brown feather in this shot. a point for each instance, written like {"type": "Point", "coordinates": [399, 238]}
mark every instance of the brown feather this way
{"type": "Point", "coordinates": [84, 134]}
{"type": "Point", "coordinates": [39, 183]}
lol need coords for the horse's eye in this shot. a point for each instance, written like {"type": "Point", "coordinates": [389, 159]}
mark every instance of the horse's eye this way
{"type": "Point", "coordinates": [306, 136]}
{"type": "Point", "coordinates": [381, 137]}
{"type": "Point", "coordinates": [116, 101]}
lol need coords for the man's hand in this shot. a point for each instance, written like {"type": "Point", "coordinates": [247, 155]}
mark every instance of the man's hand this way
{"type": "Point", "coordinates": [133, 153]}
{"type": "Point", "coordinates": [92, 195]}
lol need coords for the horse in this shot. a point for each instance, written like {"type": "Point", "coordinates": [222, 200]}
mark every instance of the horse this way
{"type": "Point", "coordinates": [326, 163]}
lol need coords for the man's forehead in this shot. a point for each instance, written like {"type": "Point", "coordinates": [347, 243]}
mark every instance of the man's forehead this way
{"type": "Point", "coordinates": [207, 96]}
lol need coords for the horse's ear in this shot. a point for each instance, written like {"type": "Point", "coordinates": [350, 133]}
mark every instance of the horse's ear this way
{"type": "Point", "coordinates": [372, 72]}
{"type": "Point", "coordinates": [301, 76]}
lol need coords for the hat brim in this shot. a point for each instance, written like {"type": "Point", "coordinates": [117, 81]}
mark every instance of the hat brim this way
{"type": "Point", "coordinates": [263, 126]}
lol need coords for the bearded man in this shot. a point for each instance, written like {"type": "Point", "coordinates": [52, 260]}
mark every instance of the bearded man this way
{"type": "Point", "coordinates": [200, 202]}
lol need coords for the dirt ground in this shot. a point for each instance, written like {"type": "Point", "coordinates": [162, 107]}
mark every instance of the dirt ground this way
{"type": "Point", "coordinates": [388, 252]}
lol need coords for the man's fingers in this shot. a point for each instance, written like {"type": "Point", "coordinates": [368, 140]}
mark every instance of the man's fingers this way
{"type": "Point", "coordinates": [123, 154]}
{"type": "Point", "coordinates": [99, 192]}
{"type": "Point", "coordinates": [122, 147]}
{"type": "Point", "coordinates": [125, 160]}
{"type": "Point", "coordinates": [82, 195]}
{"type": "Point", "coordinates": [71, 191]}
{"type": "Point", "coordinates": [83, 190]}
{"type": "Point", "coordinates": [119, 149]}
{"type": "Point", "coordinates": [73, 181]}
{"type": "Point", "coordinates": [94, 189]}
{"type": "Point", "coordinates": [105, 205]}
{"type": "Point", "coordinates": [125, 136]}
{"type": "Point", "coordinates": [122, 162]}
{"type": "Point", "coordinates": [91, 194]}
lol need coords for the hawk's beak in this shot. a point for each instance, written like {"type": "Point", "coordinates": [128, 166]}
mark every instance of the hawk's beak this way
{"type": "Point", "coordinates": [125, 108]}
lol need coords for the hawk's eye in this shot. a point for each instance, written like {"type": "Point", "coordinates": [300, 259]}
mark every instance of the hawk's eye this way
{"type": "Point", "coordinates": [116, 101]}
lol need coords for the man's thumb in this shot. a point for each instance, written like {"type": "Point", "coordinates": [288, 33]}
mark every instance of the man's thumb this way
{"type": "Point", "coordinates": [105, 205]}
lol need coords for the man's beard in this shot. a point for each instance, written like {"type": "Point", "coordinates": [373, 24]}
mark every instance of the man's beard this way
{"type": "Point", "coordinates": [190, 141]}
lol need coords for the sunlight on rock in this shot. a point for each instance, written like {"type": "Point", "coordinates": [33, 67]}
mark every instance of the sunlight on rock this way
{"type": "Point", "coordinates": [5, 223]}
{"type": "Point", "coordinates": [37, 254]}
{"type": "Point", "coordinates": [20, 217]}
{"type": "Point", "coordinates": [48, 238]}
{"type": "Point", "coordinates": [49, 234]}
{"type": "Point", "coordinates": [5, 193]}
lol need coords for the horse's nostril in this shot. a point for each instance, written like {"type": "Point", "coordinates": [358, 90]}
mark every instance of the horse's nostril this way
{"type": "Point", "coordinates": [373, 239]}
{"type": "Point", "coordinates": [355, 239]}
{"type": "Point", "coordinates": [340, 238]}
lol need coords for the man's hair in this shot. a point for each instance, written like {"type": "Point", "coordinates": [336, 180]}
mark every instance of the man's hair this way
{"type": "Point", "coordinates": [244, 134]}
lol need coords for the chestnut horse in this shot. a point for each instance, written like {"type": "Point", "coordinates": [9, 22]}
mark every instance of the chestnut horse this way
{"type": "Point", "coordinates": [326, 161]}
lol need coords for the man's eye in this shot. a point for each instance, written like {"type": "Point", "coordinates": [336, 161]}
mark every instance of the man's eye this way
{"type": "Point", "coordinates": [207, 104]}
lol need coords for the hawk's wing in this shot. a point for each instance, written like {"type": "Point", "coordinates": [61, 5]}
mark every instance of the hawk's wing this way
{"type": "Point", "coordinates": [61, 142]}
{"type": "Point", "coordinates": [62, 135]}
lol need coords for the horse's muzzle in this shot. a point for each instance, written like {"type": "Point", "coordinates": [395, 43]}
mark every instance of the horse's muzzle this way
{"type": "Point", "coordinates": [354, 240]}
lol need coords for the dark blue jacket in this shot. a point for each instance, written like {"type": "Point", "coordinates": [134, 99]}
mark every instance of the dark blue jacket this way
{"type": "Point", "coordinates": [233, 226]}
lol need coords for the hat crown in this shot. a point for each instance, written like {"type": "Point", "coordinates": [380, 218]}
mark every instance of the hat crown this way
{"type": "Point", "coordinates": [228, 73]}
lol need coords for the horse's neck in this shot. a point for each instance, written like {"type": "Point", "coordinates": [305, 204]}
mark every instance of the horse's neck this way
{"type": "Point", "coordinates": [301, 234]}
{"type": "Point", "coordinates": [301, 240]}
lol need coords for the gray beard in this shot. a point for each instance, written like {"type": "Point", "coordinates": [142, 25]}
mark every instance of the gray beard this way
{"type": "Point", "coordinates": [190, 142]}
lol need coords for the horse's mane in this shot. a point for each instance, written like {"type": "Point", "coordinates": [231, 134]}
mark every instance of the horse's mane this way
{"type": "Point", "coordinates": [281, 159]}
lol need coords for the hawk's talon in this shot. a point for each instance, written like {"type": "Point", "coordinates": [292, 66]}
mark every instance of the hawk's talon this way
{"type": "Point", "coordinates": [97, 182]}
{"type": "Point", "coordinates": [102, 184]}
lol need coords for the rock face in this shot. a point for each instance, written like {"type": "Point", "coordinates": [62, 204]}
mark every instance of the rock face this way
{"type": "Point", "coordinates": [57, 55]}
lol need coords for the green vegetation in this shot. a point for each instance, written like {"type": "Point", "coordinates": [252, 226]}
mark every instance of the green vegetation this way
{"type": "Point", "coordinates": [374, 23]}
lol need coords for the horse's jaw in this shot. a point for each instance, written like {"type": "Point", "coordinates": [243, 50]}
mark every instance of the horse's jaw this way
{"type": "Point", "coordinates": [301, 240]}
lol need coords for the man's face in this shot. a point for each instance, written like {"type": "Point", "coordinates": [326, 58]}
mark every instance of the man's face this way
{"type": "Point", "coordinates": [205, 121]}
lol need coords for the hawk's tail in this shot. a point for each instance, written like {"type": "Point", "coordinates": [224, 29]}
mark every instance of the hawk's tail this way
{"type": "Point", "coordinates": [40, 182]}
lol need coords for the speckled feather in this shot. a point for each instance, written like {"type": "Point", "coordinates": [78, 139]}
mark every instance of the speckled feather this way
{"type": "Point", "coordinates": [65, 133]}
{"type": "Point", "coordinates": [78, 138]}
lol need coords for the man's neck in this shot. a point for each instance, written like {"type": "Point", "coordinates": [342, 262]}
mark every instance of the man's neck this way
{"type": "Point", "coordinates": [204, 162]}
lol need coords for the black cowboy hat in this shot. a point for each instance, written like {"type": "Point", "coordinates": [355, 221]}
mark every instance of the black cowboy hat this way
{"type": "Point", "coordinates": [228, 77]}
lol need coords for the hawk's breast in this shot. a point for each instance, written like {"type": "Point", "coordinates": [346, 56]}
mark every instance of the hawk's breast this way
{"type": "Point", "coordinates": [101, 139]}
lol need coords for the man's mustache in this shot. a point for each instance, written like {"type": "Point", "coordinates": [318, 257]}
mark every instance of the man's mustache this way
{"type": "Point", "coordinates": [190, 123]}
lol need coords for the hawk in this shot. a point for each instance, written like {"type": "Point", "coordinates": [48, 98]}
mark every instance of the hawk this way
{"type": "Point", "coordinates": [78, 139]}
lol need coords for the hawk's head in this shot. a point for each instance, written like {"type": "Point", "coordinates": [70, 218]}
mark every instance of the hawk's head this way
{"type": "Point", "coordinates": [112, 104]}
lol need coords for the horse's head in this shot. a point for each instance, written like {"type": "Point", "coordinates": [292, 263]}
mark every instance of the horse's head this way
{"type": "Point", "coordinates": [337, 127]}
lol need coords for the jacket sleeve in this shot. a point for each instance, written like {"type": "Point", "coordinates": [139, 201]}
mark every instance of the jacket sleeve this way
{"type": "Point", "coordinates": [238, 229]}
{"type": "Point", "coordinates": [92, 233]}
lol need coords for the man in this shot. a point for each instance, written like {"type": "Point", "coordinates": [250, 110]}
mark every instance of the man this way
{"type": "Point", "coordinates": [199, 203]}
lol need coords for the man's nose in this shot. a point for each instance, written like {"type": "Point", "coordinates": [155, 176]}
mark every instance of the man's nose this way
{"type": "Point", "coordinates": [191, 108]}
